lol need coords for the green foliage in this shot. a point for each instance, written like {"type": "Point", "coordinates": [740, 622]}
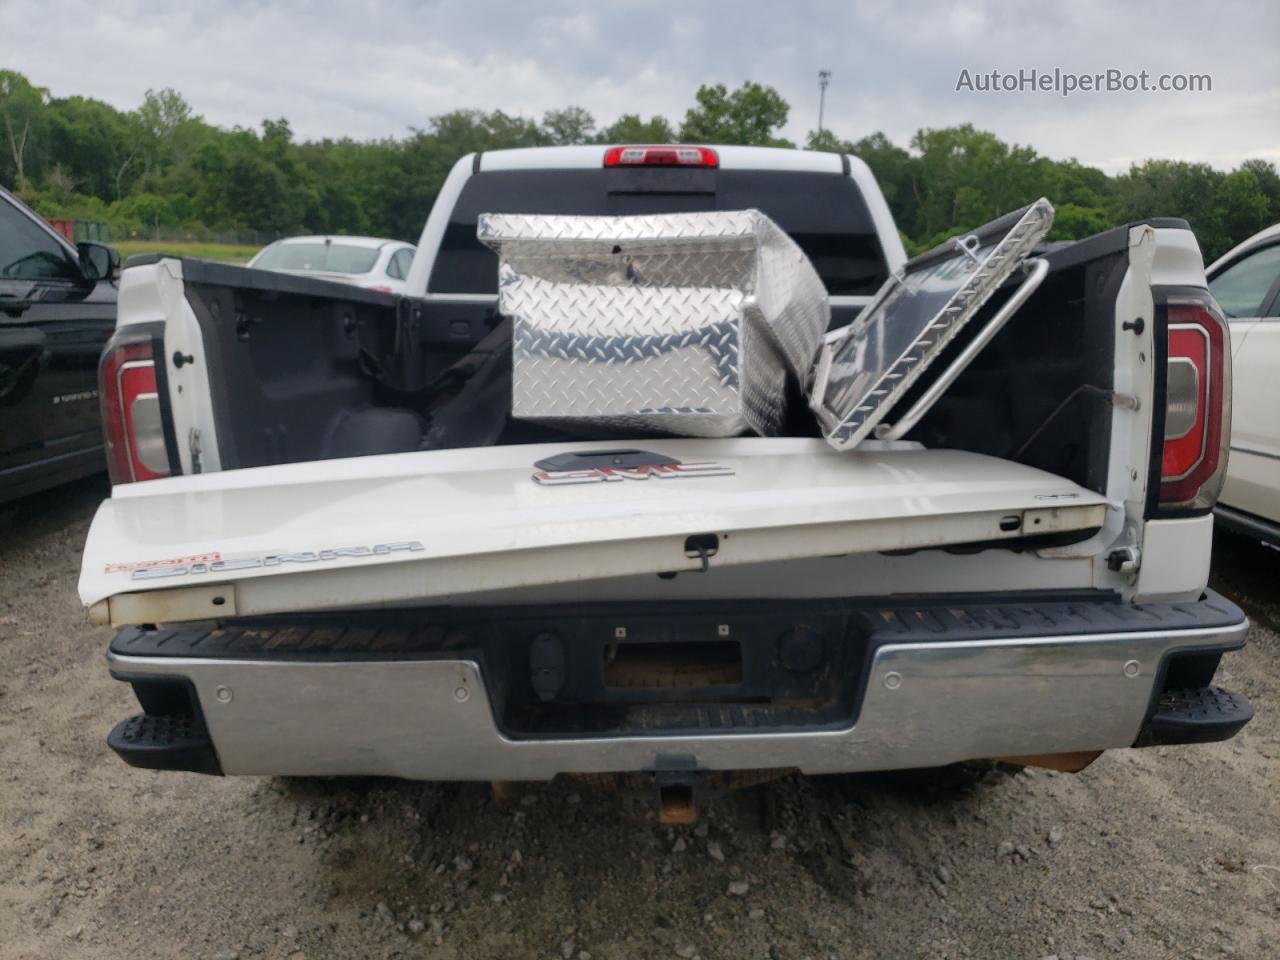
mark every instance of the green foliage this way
{"type": "Point", "coordinates": [22, 122]}
{"type": "Point", "coordinates": [893, 168]}
{"type": "Point", "coordinates": [825, 141]}
{"type": "Point", "coordinates": [568, 126]}
{"type": "Point", "coordinates": [1221, 208]}
{"type": "Point", "coordinates": [963, 176]}
{"type": "Point", "coordinates": [1072, 222]}
{"type": "Point", "coordinates": [752, 114]}
{"type": "Point", "coordinates": [90, 140]}
{"type": "Point", "coordinates": [144, 210]}
{"type": "Point", "coordinates": [233, 253]}
{"type": "Point", "coordinates": [1268, 181]}
{"type": "Point", "coordinates": [957, 178]}
{"type": "Point", "coordinates": [53, 202]}
{"type": "Point", "coordinates": [160, 169]}
{"type": "Point", "coordinates": [629, 128]}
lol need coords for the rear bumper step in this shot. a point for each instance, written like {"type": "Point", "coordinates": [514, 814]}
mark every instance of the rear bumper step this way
{"type": "Point", "coordinates": [1203, 715]}
{"type": "Point", "coordinates": [456, 694]}
{"type": "Point", "coordinates": [165, 742]}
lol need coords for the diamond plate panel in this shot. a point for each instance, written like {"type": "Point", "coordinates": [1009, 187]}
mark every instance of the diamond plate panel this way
{"type": "Point", "coordinates": [681, 323]}
{"type": "Point", "coordinates": [912, 318]}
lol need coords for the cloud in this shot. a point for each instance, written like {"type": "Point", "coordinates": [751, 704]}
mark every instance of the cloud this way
{"type": "Point", "coordinates": [377, 68]}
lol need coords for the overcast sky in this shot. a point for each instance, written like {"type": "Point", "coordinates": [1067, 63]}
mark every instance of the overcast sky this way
{"type": "Point", "coordinates": [376, 68]}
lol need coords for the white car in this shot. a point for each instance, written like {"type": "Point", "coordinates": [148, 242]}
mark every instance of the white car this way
{"type": "Point", "coordinates": [369, 262]}
{"type": "Point", "coordinates": [1246, 284]}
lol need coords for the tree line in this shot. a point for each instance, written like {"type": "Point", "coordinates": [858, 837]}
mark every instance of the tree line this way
{"type": "Point", "coordinates": [161, 169]}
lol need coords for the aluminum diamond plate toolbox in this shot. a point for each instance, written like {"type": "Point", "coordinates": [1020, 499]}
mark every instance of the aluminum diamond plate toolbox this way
{"type": "Point", "coordinates": [914, 315]}
{"type": "Point", "coordinates": [680, 323]}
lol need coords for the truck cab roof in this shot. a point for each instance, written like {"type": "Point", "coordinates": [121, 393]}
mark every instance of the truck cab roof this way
{"type": "Point", "coordinates": [731, 157]}
{"type": "Point", "coordinates": [829, 203]}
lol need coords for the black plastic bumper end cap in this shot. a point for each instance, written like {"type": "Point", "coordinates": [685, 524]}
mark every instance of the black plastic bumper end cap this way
{"type": "Point", "coordinates": [1203, 715]}
{"type": "Point", "coordinates": [170, 742]}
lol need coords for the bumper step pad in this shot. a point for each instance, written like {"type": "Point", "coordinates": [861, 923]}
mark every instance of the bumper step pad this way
{"type": "Point", "coordinates": [170, 742]}
{"type": "Point", "coordinates": [1203, 715]}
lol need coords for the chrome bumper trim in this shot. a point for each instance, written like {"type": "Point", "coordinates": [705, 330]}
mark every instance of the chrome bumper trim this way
{"type": "Point", "coordinates": [926, 704]}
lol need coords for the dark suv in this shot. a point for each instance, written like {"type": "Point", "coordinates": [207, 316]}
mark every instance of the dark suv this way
{"type": "Point", "coordinates": [57, 309]}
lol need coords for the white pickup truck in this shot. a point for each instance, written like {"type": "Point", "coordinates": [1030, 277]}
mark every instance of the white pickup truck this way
{"type": "Point", "coordinates": [331, 549]}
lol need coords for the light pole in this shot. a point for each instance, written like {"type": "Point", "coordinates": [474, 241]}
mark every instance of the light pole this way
{"type": "Point", "coordinates": [824, 77]}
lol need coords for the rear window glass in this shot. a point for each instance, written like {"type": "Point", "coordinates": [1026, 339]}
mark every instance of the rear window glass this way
{"type": "Point", "coordinates": [323, 257]}
{"type": "Point", "coordinates": [823, 212]}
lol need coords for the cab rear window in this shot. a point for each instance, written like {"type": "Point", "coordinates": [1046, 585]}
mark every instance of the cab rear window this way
{"type": "Point", "coordinates": [823, 212]}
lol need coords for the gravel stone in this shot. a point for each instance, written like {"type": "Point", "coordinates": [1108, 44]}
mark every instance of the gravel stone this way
{"type": "Point", "coordinates": [839, 861]}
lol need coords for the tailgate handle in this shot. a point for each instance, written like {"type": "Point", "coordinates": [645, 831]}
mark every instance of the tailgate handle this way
{"type": "Point", "coordinates": [704, 546]}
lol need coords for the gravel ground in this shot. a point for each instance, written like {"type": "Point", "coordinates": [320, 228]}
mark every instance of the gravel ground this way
{"type": "Point", "coordinates": [1149, 854]}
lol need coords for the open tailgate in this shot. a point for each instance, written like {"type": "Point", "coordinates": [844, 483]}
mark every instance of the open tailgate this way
{"type": "Point", "coordinates": [425, 527]}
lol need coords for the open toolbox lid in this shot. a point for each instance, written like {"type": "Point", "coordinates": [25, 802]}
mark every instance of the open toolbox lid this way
{"type": "Point", "coordinates": [862, 373]}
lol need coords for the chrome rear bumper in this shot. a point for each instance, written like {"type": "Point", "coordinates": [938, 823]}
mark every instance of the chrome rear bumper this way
{"type": "Point", "coordinates": [924, 704]}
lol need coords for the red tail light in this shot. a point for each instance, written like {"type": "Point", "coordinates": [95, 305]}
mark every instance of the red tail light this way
{"type": "Point", "coordinates": [1197, 426]}
{"type": "Point", "coordinates": [131, 415]}
{"type": "Point", "coordinates": [672, 156]}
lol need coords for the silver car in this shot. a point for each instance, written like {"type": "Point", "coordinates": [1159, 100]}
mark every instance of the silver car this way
{"type": "Point", "coordinates": [373, 263]}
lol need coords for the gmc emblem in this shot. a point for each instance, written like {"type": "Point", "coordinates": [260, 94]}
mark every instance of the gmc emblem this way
{"type": "Point", "coordinates": [665, 471]}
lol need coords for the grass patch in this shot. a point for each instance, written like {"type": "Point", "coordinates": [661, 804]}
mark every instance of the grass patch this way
{"type": "Point", "coordinates": [234, 253]}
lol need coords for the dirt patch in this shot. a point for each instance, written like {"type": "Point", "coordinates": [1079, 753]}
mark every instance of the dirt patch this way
{"type": "Point", "coordinates": [1171, 852]}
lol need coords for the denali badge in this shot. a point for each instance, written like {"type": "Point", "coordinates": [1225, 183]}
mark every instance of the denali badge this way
{"type": "Point", "coordinates": [663, 471]}
{"type": "Point", "coordinates": [194, 558]}
{"type": "Point", "coordinates": [190, 566]}
{"type": "Point", "coordinates": [74, 397]}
